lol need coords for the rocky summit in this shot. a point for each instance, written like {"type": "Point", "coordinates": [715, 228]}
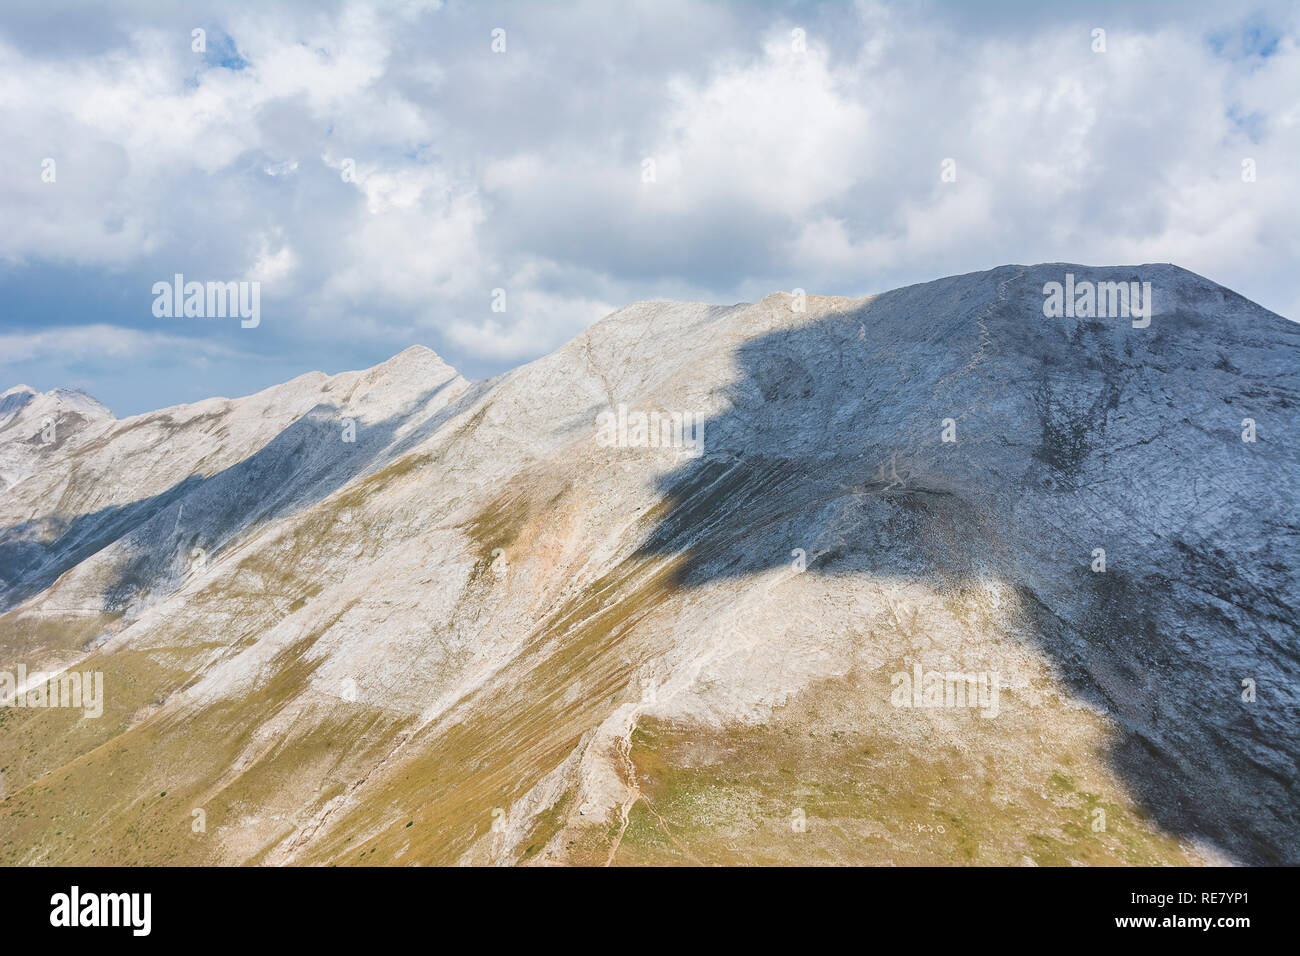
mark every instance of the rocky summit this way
{"type": "Point", "coordinates": [959, 573]}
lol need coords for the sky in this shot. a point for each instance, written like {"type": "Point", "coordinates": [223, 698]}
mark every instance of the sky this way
{"type": "Point", "coordinates": [489, 179]}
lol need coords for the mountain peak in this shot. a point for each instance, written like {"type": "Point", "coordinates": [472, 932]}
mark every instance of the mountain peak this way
{"type": "Point", "coordinates": [22, 400]}
{"type": "Point", "coordinates": [415, 360]}
{"type": "Point", "coordinates": [82, 401]}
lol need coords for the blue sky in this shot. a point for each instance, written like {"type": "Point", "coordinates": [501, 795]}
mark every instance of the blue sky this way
{"type": "Point", "coordinates": [380, 170]}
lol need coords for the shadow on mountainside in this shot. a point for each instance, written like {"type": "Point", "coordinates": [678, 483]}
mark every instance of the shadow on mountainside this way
{"type": "Point", "coordinates": [303, 464]}
{"type": "Point", "coordinates": [1069, 433]}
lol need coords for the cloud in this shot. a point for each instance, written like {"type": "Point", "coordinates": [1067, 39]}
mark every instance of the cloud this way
{"type": "Point", "coordinates": [380, 170]}
{"type": "Point", "coordinates": [779, 134]}
{"type": "Point", "coordinates": [106, 346]}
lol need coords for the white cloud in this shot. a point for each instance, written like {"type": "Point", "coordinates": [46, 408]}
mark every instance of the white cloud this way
{"type": "Point", "coordinates": [778, 133]}
{"type": "Point", "coordinates": [775, 167]}
{"type": "Point", "coordinates": [101, 345]}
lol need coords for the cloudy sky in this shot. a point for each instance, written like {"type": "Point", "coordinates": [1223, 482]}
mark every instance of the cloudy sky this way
{"type": "Point", "coordinates": [380, 169]}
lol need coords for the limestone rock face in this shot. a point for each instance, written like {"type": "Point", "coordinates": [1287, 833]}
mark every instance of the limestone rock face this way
{"type": "Point", "coordinates": [926, 577]}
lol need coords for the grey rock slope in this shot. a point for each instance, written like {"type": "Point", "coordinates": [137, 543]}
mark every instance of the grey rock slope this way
{"type": "Point", "coordinates": [455, 637]}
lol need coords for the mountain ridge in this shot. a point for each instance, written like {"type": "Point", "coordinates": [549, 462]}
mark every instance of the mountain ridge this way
{"type": "Point", "coordinates": [533, 624]}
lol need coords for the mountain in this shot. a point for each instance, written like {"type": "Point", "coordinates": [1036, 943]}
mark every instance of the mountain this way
{"type": "Point", "coordinates": [36, 426]}
{"type": "Point", "coordinates": [662, 596]}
